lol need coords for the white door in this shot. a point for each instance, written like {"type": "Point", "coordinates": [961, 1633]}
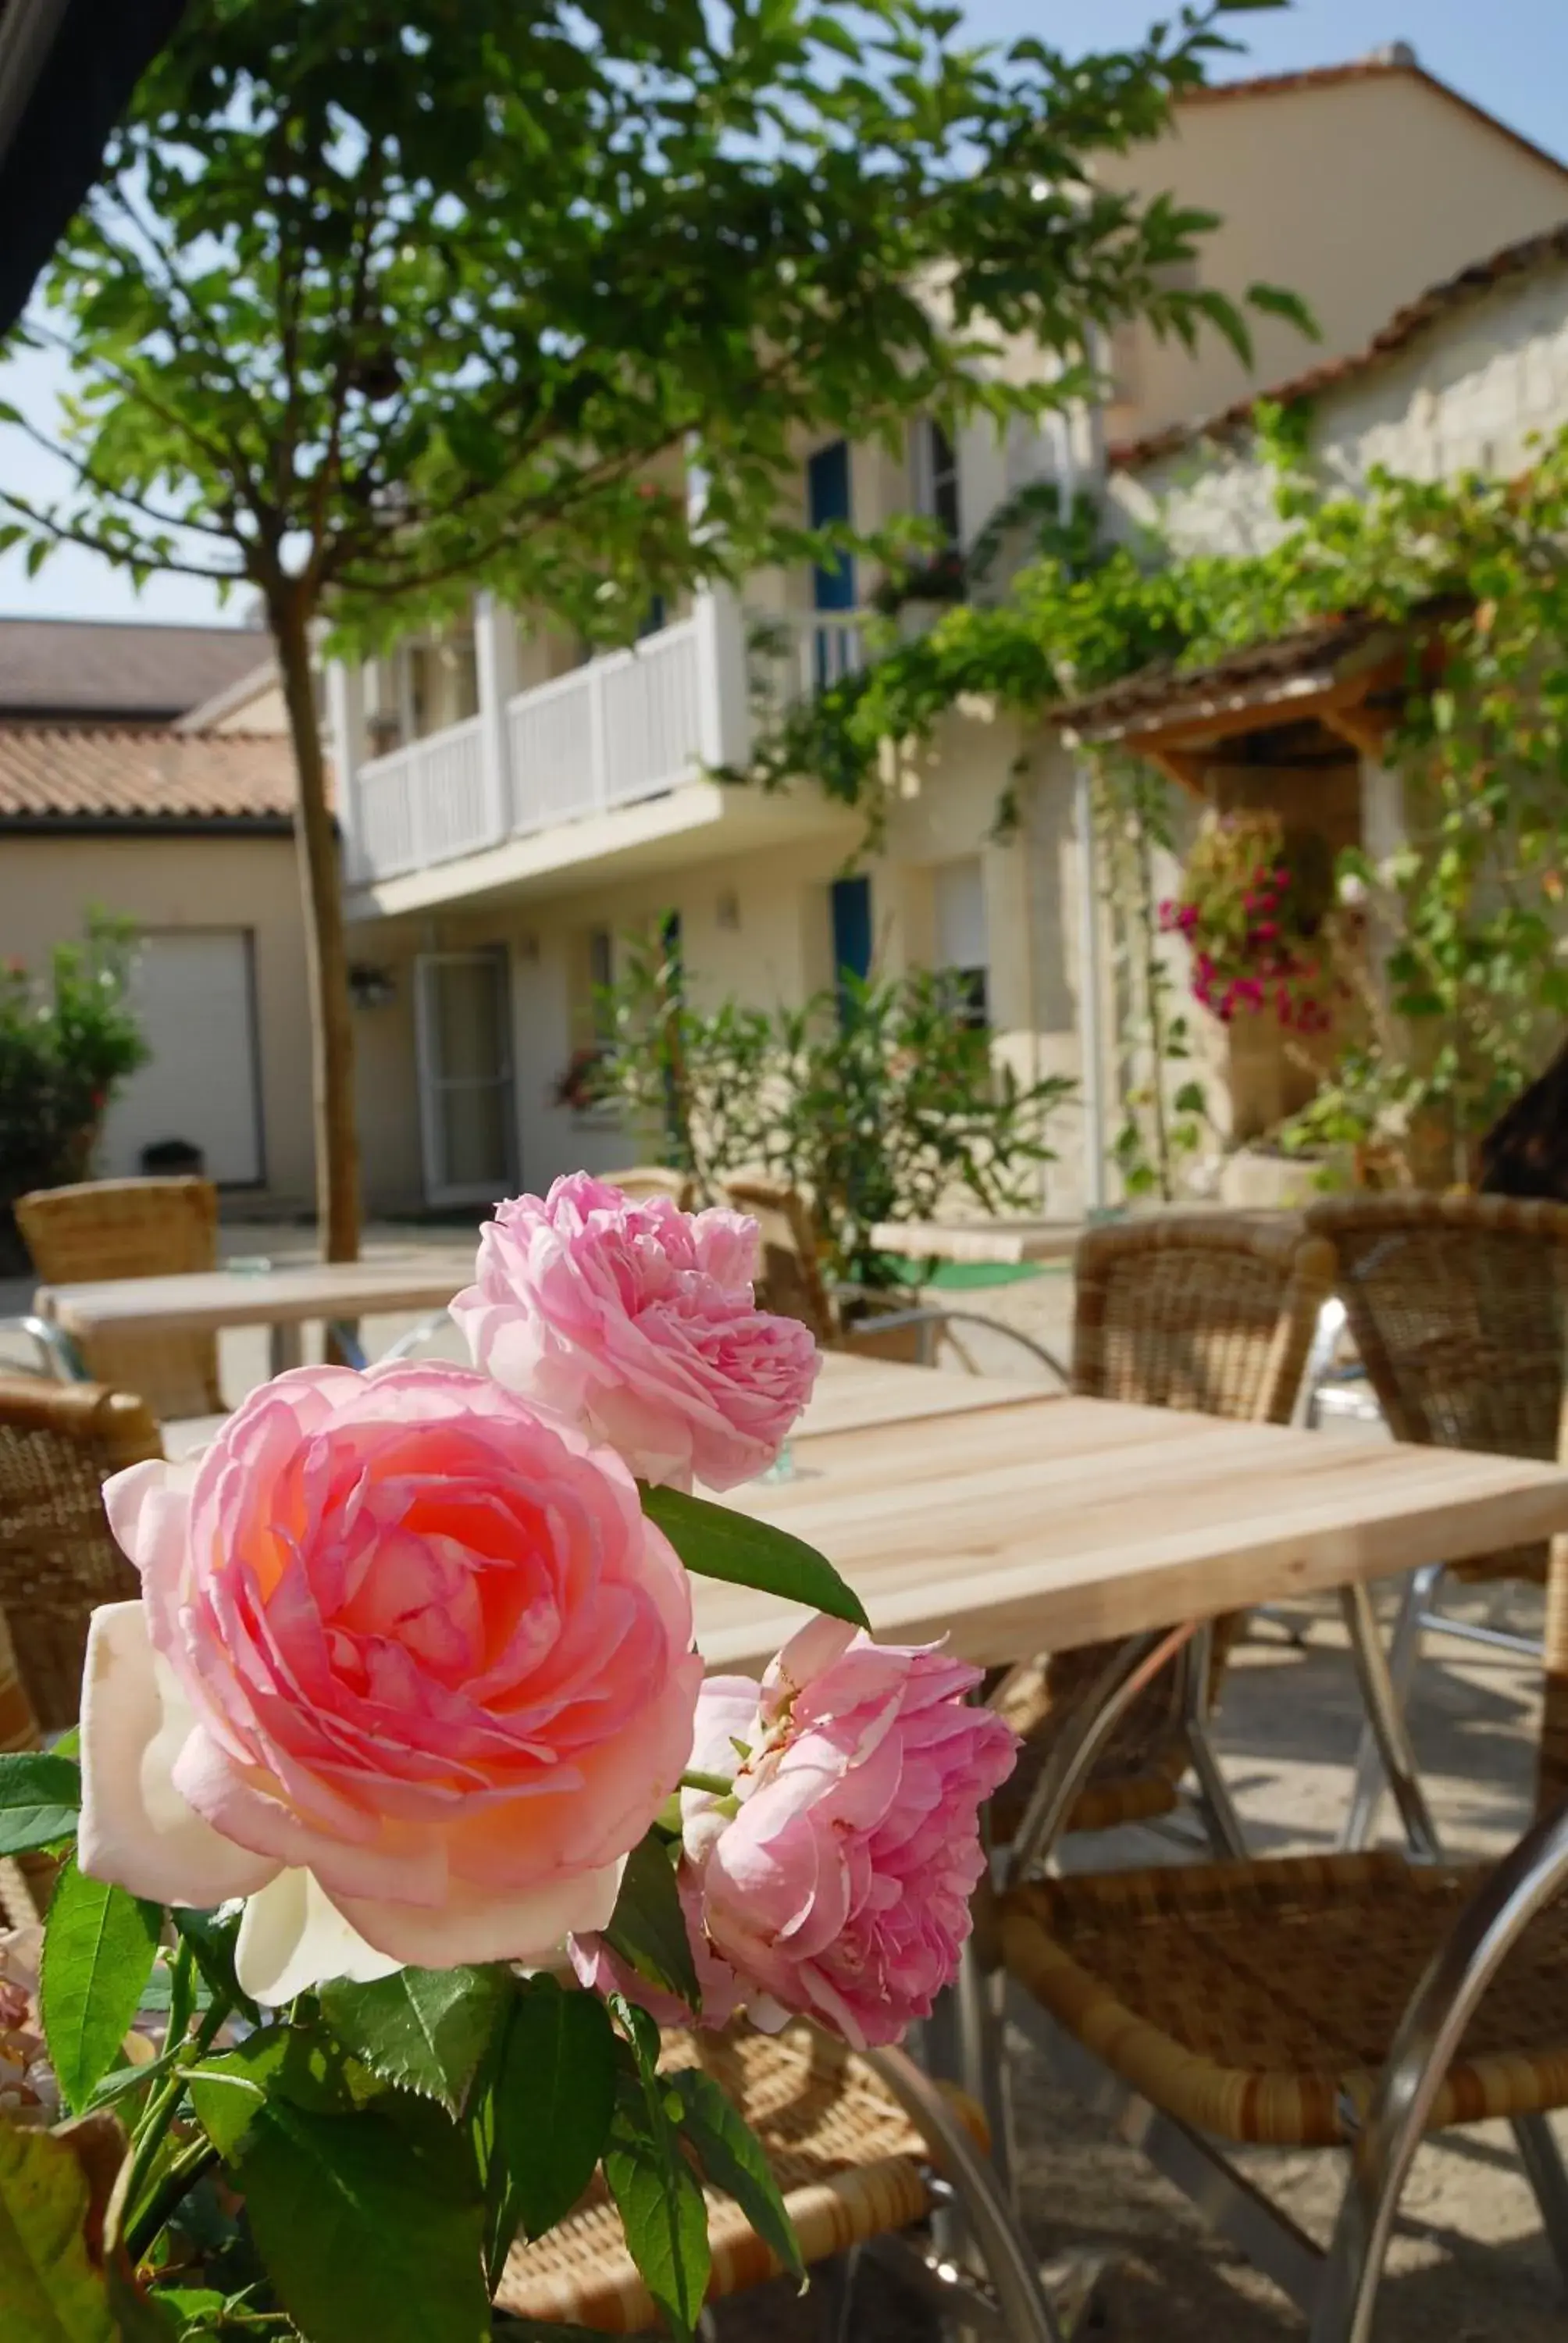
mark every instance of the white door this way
{"type": "Point", "coordinates": [196, 999]}
{"type": "Point", "coordinates": [464, 1038]}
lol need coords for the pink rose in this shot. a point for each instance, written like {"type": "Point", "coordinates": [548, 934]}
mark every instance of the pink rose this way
{"type": "Point", "coordinates": [836, 1882]}
{"type": "Point", "coordinates": [410, 1670]}
{"type": "Point", "coordinates": [637, 1322]}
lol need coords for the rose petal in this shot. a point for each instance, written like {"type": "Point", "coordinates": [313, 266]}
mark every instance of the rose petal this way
{"type": "Point", "coordinates": [136, 1831]}
{"type": "Point", "coordinates": [293, 1937]}
{"type": "Point", "coordinates": [529, 1927]}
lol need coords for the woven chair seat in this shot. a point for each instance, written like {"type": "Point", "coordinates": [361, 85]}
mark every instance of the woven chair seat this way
{"type": "Point", "coordinates": [1259, 2001]}
{"type": "Point", "coordinates": [848, 2161]}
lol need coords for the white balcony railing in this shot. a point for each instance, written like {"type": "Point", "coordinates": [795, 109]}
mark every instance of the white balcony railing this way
{"type": "Point", "coordinates": [612, 732]}
{"type": "Point", "coordinates": [425, 803]}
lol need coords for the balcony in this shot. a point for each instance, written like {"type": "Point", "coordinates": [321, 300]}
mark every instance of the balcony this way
{"type": "Point", "coordinates": [610, 738]}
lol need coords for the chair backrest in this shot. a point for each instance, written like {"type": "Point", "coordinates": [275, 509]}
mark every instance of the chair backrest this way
{"type": "Point", "coordinates": [1459, 1307]}
{"type": "Point", "coordinates": [1209, 1311]}
{"type": "Point", "coordinates": [108, 1229]}
{"type": "Point", "coordinates": [790, 1282]}
{"type": "Point", "coordinates": [645, 1180]}
{"type": "Point", "coordinates": [58, 1444]}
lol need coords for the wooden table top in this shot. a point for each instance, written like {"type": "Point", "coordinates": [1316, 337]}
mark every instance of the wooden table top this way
{"type": "Point", "coordinates": [1001, 1244]}
{"type": "Point", "coordinates": [209, 1300]}
{"type": "Point", "coordinates": [1042, 1523]}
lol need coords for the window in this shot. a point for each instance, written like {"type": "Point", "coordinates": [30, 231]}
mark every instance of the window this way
{"type": "Point", "coordinates": [963, 953]}
{"type": "Point", "coordinates": [600, 976]}
{"type": "Point", "coordinates": [937, 478]}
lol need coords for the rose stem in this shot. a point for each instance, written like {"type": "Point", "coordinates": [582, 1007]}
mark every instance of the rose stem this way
{"type": "Point", "coordinates": [715, 1783]}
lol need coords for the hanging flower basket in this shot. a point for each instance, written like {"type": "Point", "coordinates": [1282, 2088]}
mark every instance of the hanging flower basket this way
{"type": "Point", "coordinates": [1254, 908]}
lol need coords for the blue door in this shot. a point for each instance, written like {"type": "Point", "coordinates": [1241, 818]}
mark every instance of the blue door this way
{"type": "Point", "coordinates": [833, 582]}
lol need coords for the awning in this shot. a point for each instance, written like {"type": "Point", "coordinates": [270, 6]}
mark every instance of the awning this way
{"type": "Point", "coordinates": [68, 69]}
{"type": "Point", "coordinates": [1350, 674]}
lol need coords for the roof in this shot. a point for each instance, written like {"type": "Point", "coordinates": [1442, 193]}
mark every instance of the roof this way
{"type": "Point", "coordinates": [1471, 283]}
{"type": "Point", "coordinates": [1396, 60]}
{"type": "Point", "coordinates": [123, 670]}
{"type": "Point", "coordinates": [62, 776]}
{"type": "Point", "coordinates": [211, 712]}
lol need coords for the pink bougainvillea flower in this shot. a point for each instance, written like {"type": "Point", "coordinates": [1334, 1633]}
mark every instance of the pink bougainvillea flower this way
{"type": "Point", "coordinates": [835, 1881]}
{"type": "Point", "coordinates": [410, 1670]}
{"type": "Point", "coordinates": [637, 1322]}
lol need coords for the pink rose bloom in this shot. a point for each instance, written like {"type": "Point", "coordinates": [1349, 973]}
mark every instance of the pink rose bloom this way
{"type": "Point", "coordinates": [637, 1322]}
{"type": "Point", "coordinates": [410, 1670]}
{"type": "Point", "coordinates": [840, 1885]}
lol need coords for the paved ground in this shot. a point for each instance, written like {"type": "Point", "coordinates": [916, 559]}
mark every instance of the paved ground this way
{"type": "Point", "coordinates": [1469, 2263]}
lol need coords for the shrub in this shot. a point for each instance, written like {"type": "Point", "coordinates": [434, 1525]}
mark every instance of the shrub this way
{"type": "Point", "coordinates": [68, 1041]}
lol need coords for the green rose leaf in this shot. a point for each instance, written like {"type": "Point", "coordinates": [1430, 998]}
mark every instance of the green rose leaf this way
{"type": "Point", "coordinates": [553, 2099]}
{"type": "Point", "coordinates": [660, 2203]}
{"type": "Point", "coordinates": [648, 1926]}
{"type": "Point", "coordinates": [424, 2029]}
{"type": "Point", "coordinates": [289, 2062]}
{"type": "Point", "coordinates": [40, 1798]}
{"type": "Point", "coordinates": [732, 2156]}
{"type": "Point", "coordinates": [716, 1542]}
{"type": "Point", "coordinates": [361, 2235]}
{"type": "Point", "coordinates": [49, 2291]}
{"type": "Point", "coordinates": [99, 1948]}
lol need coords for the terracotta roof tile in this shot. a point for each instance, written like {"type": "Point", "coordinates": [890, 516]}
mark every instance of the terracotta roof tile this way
{"type": "Point", "coordinates": [115, 671]}
{"type": "Point", "coordinates": [1471, 284]}
{"type": "Point", "coordinates": [61, 774]}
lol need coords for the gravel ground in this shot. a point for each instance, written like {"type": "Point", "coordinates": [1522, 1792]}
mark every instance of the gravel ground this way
{"type": "Point", "coordinates": [1469, 2262]}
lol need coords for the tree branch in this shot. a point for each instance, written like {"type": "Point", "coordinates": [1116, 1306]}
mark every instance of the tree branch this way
{"type": "Point", "coordinates": [123, 556]}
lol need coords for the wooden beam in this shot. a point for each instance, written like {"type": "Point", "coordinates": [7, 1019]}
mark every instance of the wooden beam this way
{"type": "Point", "coordinates": [1366, 729]}
{"type": "Point", "coordinates": [1189, 772]}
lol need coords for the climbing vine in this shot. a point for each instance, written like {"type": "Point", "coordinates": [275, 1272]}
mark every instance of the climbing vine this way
{"type": "Point", "coordinates": [1467, 915]}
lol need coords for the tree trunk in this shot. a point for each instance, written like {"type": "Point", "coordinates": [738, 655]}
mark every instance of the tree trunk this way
{"type": "Point", "coordinates": [325, 957]}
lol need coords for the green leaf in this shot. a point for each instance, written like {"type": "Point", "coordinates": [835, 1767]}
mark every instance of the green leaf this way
{"type": "Point", "coordinates": [424, 2029]}
{"type": "Point", "coordinates": [733, 2158]}
{"type": "Point", "coordinates": [361, 2236]}
{"type": "Point", "coordinates": [40, 1798]}
{"type": "Point", "coordinates": [716, 1542]}
{"type": "Point", "coordinates": [660, 2204]}
{"type": "Point", "coordinates": [98, 1949]}
{"type": "Point", "coordinates": [295, 2062]}
{"type": "Point", "coordinates": [49, 2291]}
{"type": "Point", "coordinates": [648, 1926]}
{"type": "Point", "coordinates": [195, 2310]}
{"type": "Point", "coordinates": [554, 2097]}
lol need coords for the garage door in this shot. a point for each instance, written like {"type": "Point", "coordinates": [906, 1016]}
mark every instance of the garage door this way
{"type": "Point", "coordinates": [196, 1004]}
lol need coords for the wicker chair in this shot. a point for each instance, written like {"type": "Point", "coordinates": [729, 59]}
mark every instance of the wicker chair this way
{"type": "Point", "coordinates": [792, 1285]}
{"type": "Point", "coordinates": [853, 2142]}
{"type": "Point", "coordinates": [24, 1886]}
{"type": "Point", "coordinates": [1457, 1305]}
{"type": "Point", "coordinates": [1308, 2002]}
{"type": "Point", "coordinates": [106, 1228]}
{"type": "Point", "coordinates": [1190, 1311]}
{"type": "Point", "coordinates": [58, 1444]}
{"type": "Point", "coordinates": [645, 1180]}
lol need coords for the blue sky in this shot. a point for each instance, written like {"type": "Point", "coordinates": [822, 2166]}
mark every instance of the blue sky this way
{"type": "Point", "coordinates": [1510, 57]}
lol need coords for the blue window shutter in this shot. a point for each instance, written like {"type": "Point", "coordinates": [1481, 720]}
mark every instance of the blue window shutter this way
{"type": "Point", "coordinates": [828, 500]}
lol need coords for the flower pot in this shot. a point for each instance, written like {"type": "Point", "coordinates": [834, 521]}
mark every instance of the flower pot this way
{"type": "Point", "coordinates": [1265, 1179]}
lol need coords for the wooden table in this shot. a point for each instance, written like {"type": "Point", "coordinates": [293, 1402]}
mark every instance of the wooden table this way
{"type": "Point", "coordinates": [1027, 1523]}
{"type": "Point", "coordinates": [206, 1301]}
